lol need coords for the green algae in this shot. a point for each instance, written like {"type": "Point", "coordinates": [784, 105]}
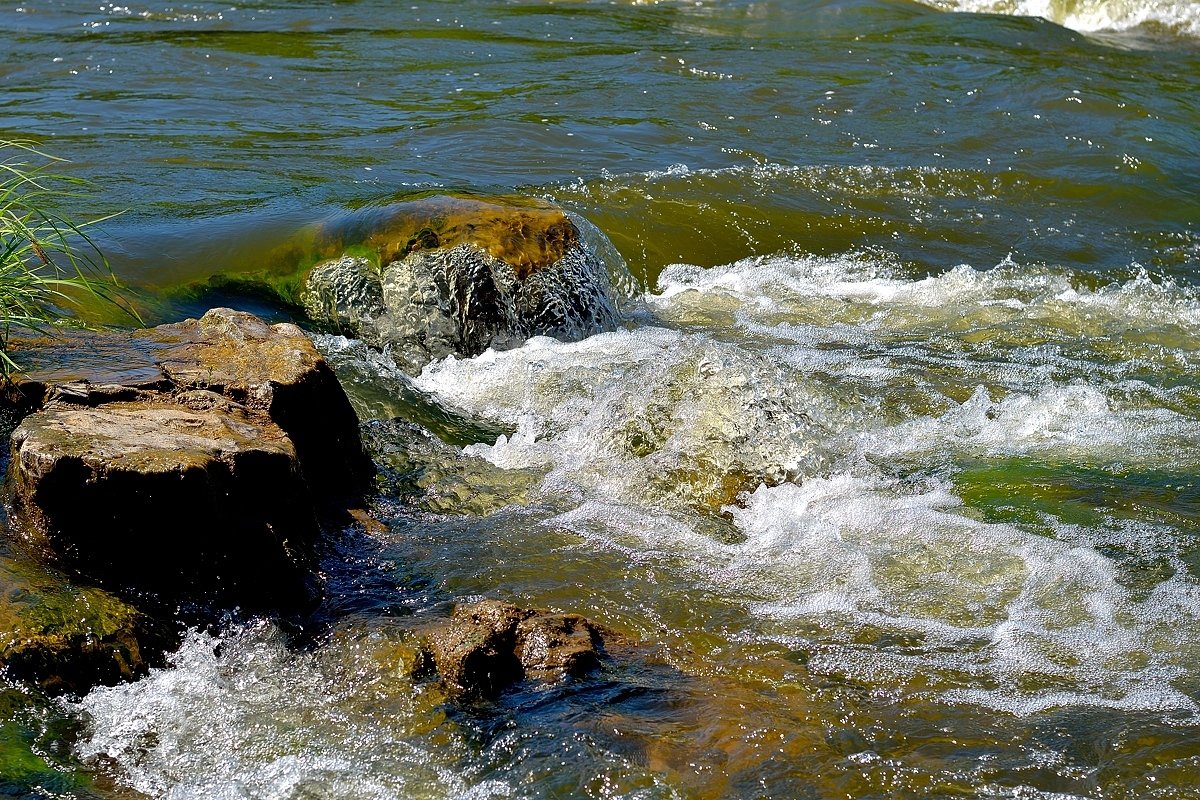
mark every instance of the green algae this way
{"type": "Point", "coordinates": [62, 636]}
{"type": "Point", "coordinates": [1036, 493]}
{"type": "Point", "coordinates": [36, 760]}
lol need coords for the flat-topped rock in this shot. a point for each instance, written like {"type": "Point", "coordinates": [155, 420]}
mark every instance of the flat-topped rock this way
{"type": "Point", "coordinates": [206, 506]}
{"type": "Point", "coordinates": [197, 475]}
{"type": "Point", "coordinates": [274, 369]}
{"type": "Point", "coordinates": [233, 353]}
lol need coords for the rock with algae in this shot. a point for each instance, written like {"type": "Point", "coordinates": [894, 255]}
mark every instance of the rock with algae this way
{"type": "Point", "coordinates": [457, 275]}
{"type": "Point", "coordinates": [66, 637]}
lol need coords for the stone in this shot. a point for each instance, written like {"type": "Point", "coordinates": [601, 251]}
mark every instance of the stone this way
{"type": "Point", "coordinates": [487, 646]}
{"type": "Point", "coordinates": [555, 645]}
{"type": "Point", "coordinates": [456, 275]}
{"type": "Point", "coordinates": [274, 369]}
{"type": "Point", "coordinates": [67, 638]}
{"type": "Point", "coordinates": [197, 471]}
{"type": "Point", "coordinates": [200, 506]}
{"type": "Point", "coordinates": [526, 232]}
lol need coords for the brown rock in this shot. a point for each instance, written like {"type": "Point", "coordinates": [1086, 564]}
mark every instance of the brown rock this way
{"type": "Point", "coordinates": [191, 472]}
{"type": "Point", "coordinates": [207, 506]}
{"type": "Point", "coordinates": [487, 646]}
{"type": "Point", "coordinates": [554, 645]}
{"type": "Point", "coordinates": [277, 370]}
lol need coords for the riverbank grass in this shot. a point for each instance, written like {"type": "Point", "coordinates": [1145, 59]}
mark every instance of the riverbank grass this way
{"type": "Point", "coordinates": [48, 263]}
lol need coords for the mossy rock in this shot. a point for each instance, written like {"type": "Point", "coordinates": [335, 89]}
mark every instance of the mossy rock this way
{"type": "Point", "coordinates": [64, 637]}
{"type": "Point", "coordinates": [527, 233]}
{"type": "Point", "coordinates": [455, 276]}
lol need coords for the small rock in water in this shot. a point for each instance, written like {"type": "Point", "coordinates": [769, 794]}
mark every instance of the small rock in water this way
{"type": "Point", "coordinates": [487, 646]}
{"type": "Point", "coordinates": [459, 275]}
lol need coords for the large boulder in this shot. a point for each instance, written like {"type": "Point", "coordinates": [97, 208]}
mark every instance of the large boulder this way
{"type": "Point", "coordinates": [205, 505]}
{"type": "Point", "coordinates": [457, 275]}
{"type": "Point", "coordinates": [201, 484]}
{"type": "Point", "coordinates": [274, 369]}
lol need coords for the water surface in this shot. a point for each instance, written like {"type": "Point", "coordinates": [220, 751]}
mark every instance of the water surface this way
{"type": "Point", "coordinates": [890, 468]}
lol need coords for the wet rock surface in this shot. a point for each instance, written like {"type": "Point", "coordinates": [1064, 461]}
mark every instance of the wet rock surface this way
{"type": "Point", "coordinates": [65, 637]}
{"type": "Point", "coordinates": [487, 646]}
{"type": "Point", "coordinates": [203, 505]}
{"type": "Point", "coordinates": [199, 484]}
{"type": "Point", "coordinates": [455, 276]}
{"type": "Point", "coordinates": [274, 369]}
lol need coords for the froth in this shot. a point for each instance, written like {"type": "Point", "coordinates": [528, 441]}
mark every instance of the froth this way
{"type": "Point", "coordinates": [1091, 15]}
{"type": "Point", "coordinates": [822, 409]}
{"type": "Point", "coordinates": [260, 721]}
{"type": "Point", "coordinates": [1010, 619]}
{"type": "Point", "coordinates": [677, 419]}
{"type": "Point", "coordinates": [1076, 423]}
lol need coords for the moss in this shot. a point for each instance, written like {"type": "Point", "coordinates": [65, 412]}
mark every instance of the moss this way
{"type": "Point", "coordinates": [64, 637]}
{"type": "Point", "coordinates": [35, 756]}
{"type": "Point", "coordinates": [526, 233]}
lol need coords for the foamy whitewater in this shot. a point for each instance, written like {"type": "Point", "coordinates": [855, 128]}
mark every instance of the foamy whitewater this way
{"type": "Point", "coordinates": [1177, 16]}
{"type": "Point", "coordinates": [849, 397]}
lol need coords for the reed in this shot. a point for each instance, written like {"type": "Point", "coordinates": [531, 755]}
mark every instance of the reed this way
{"type": "Point", "coordinates": [47, 262]}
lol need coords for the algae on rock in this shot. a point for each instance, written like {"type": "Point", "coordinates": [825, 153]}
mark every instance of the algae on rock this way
{"type": "Point", "coordinates": [65, 637]}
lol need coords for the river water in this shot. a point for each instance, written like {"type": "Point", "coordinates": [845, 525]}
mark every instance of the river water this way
{"type": "Point", "coordinates": [890, 470]}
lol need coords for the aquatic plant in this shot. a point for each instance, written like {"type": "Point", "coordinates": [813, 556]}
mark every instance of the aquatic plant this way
{"type": "Point", "coordinates": [47, 262]}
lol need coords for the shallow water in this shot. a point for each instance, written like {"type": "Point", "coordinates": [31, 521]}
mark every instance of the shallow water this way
{"type": "Point", "coordinates": [889, 469]}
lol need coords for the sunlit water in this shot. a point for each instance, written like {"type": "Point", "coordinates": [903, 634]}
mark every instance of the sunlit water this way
{"type": "Point", "coordinates": [889, 471]}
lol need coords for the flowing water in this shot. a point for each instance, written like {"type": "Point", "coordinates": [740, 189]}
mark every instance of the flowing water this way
{"type": "Point", "coordinates": [890, 469]}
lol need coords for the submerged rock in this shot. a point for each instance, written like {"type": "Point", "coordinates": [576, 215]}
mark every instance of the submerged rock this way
{"type": "Point", "coordinates": [201, 484]}
{"type": "Point", "coordinates": [456, 275]}
{"type": "Point", "coordinates": [64, 637]}
{"type": "Point", "coordinates": [487, 646]}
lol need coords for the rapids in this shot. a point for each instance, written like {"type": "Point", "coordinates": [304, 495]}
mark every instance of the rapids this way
{"type": "Point", "coordinates": [888, 466]}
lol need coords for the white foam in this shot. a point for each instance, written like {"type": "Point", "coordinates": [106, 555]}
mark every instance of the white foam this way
{"type": "Point", "coordinates": [846, 503]}
{"type": "Point", "coordinates": [261, 721]}
{"type": "Point", "coordinates": [1092, 15]}
{"type": "Point", "coordinates": [1074, 422]}
{"type": "Point", "coordinates": [619, 414]}
{"type": "Point", "coordinates": [869, 292]}
{"type": "Point", "coordinates": [1045, 615]}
